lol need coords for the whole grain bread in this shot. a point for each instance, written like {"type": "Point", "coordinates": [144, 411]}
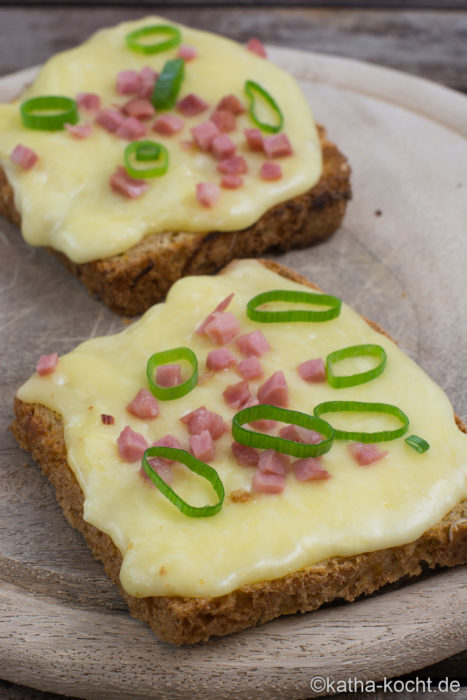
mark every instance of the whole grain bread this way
{"type": "Point", "coordinates": [189, 620]}
{"type": "Point", "coordinates": [131, 282]}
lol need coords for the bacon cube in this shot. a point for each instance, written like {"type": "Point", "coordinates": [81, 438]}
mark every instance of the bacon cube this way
{"type": "Point", "coordinates": [220, 358]}
{"type": "Point", "coordinates": [268, 483]}
{"type": "Point", "coordinates": [274, 391]}
{"type": "Point", "coordinates": [128, 82]}
{"type": "Point", "coordinates": [168, 124]}
{"type": "Point", "coordinates": [140, 108]}
{"type": "Point", "coordinates": [79, 131]}
{"type": "Point", "coordinates": [191, 105]}
{"type": "Point", "coordinates": [223, 328]}
{"type": "Point", "coordinates": [254, 138]}
{"type": "Point", "coordinates": [128, 186]}
{"type": "Point", "coordinates": [277, 146]}
{"type": "Point", "coordinates": [109, 119]}
{"type": "Point", "coordinates": [246, 456]}
{"type": "Point", "coordinates": [130, 129]}
{"type": "Point", "coordinates": [204, 134]}
{"type": "Point", "coordinates": [169, 375]}
{"type": "Point", "coordinates": [202, 446]}
{"type": "Point", "coordinates": [219, 308]}
{"type": "Point", "coordinates": [365, 453]}
{"type": "Point", "coordinates": [253, 344]}
{"type": "Point", "coordinates": [47, 364]}
{"type": "Point", "coordinates": [232, 182]}
{"type": "Point", "coordinates": [23, 156]}
{"type": "Point", "coordinates": [270, 171]}
{"type": "Point", "coordinates": [201, 419]}
{"type": "Point", "coordinates": [272, 462]}
{"type": "Point", "coordinates": [312, 370]}
{"type": "Point", "coordinates": [237, 395]}
{"type": "Point", "coordinates": [131, 445]}
{"type": "Point", "coordinates": [224, 120]}
{"type": "Point", "coordinates": [222, 147]}
{"type": "Point", "coordinates": [188, 53]}
{"type": "Point", "coordinates": [256, 46]}
{"type": "Point", "coordinates": [299, 434]}
{"type": "Point", "coordinates": [310, 469]}
{"type": "Point", "coordinates": [236, 165]}
{"type": "Point", "coordinates": [231, 103]}
{"type": "Point", "coordinates": [144, 405]}
{"type": "Point", "coordinates": [250, 368]}
{"type": "Point", "coordinates": [88, 100]}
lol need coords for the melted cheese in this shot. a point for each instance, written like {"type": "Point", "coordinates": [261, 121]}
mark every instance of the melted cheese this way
{"type": "Point", "coordinates": [359, 509]}
{"type": "Point", "coordinates": [66, 201]}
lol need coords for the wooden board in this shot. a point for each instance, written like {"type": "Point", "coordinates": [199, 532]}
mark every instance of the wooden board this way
{"type": "Point", "coordinates": [63, 626]}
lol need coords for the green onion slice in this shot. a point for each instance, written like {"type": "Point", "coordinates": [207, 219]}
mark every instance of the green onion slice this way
{"type": "Point", "coordinates": [296, 297]}
{"type": "Point", "coordinates": [173, 34]}
{"type": "Point", "coordinates": [169, 356]}
{"type": "Point", "coordinates": [341, 381]}
{"type": "Point", "coordinates": [168, 84]}
{"type": "Point", "coordinates": [33, 117]}
{"type": "Point", "coordinates": [418, 443]}
{"type": "Point", "coordinates": [196, 466]}
{"type": "Point", "coordinates": [254, 92]}
{"type": "Point", "coordinates": [290, 447]}
{"type": "Point", "coordinates": [365, 407]}
{"type": "Point", "coordinates": [146, 151]}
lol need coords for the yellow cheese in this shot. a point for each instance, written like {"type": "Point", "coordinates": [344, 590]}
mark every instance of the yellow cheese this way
{"type": "Point", "coordinates": [66, 202]}
{"type": "Point", "coordinates": [359, 509]}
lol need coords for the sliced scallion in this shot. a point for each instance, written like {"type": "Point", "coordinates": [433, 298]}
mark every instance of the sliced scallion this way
{"type": "Point", "coordinates": [290, 447]}
{"type": "Point", "coordinates": [173, 35]}
{"type": "Point", "coordinates": [36, 112]}
{"type": "Point", "coordinates": [196, 466]}
{"type": "Point", "coordinates": [341, 381]}
{"type": "Point", "coordinates": [163, 358]}
{"type": "Point", "coordinates": [364, 407]}
{"type": "Point", "coordinates": [418, 443]}
{"type": "Point", "coordinates": [294, 297]}
{"type": "Point", "coordinates": [146, 151]}
{"type": "Point", "coordinates": [255, 93]}
{"type": "Point", "coordinates": [168, 84]}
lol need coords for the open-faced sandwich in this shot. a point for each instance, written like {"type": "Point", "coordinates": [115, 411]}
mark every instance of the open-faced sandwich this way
{"type": "Point", "coordinates": [250, 448]}
{"type": "Point", "coordinates": [154, 151]}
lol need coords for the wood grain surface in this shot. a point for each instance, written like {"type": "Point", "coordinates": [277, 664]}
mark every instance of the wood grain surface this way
{"type": "Point", "coordinates": [45, 562]}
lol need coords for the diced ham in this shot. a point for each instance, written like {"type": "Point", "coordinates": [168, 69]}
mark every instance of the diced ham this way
{"type": "Point", "coordinates": [272, 462]}
{"type": "Point", "coordinates": [232, 182]}
{"type": "Point", "coordinates": [253, 344]}
{"type": "Point", "coordinates": [128, 82]}
{"type": "Point", "coordinates": [202, 446]}
{"type": "Point", "coordinates": [268, 483]}
{"type": "Point", "coordinates": [109, 119]}
{"type": "Point", "coordinates": [107, 419]}
{"type": "Point", "coordinates": [246, 456]}
{"type": "Point", "coordinates": [88, 100]}
{"type": "Point", "coordinates": [236, 165]}
{"type": "Point", "coordinates": [168, 124]}
{"type": "Point", "coordinates": [207, 193]}
{"type": "Point", "coordinates": [222, 328]}
{"type": "Point", "coordinates": [169, 375]}
{"type": "Point", "coordinates": [23, 156]}
{"type": "Point", "coordinates": [219, 309]}
{"type": "Point", "coordinates": [299, 434]}
{"type": "Point", "coordinates": [162, 467]}
{"type": "Point", "coordinates": [310, 468]}
{"type": "Point", "coordinates": [47, 364]}
{"type": "Point", "coordinates": [250, 368]}
{"type": "Point", "coordinates": [139, 107]}
{"type": "Point", "coordinates": [188, 53]}
{"type": "Point", "coordinates": [222, 147]}
{"type": "Point", "coordinates": [274, 391]}
{"type": "Point", "coordinates": [254, 138]}
{"type": "Point", "coordinates": [201, 419]}
{"type": "Point", "coordinates": [270, 171]}
{"type": "Point", "coordinates": [148, 79]}
{"type": "Point", "coordinates": [256, 46]}
{"type": "Point", "coordinates": [128, 186]}
{"type": "Point", "coordinates": [79, 131]}
{"type": "Point", "coordinates": [131, 445]}
{"type": "Point", "coordinates": [224, 120]}
{"type": "Point", "coordinates": [220, 358]}
{"type": "Point", "coordinates": [130, 129]}
{"type": "Point", "coordinates": [237, 395]}
{"type": "Point", "coordinates": [264, 425]}
{"type": "Point", "coordinates": [277, 146]}
{"type": "Point", "coordinates": [231, 103]}
{"type": "Point", "coordinates": [191, 105]}
{"type": "Point", "coordinates": [204, 134]}
{"type": "Point", "coordinates": [365, 454]}
{"type": "Point", "coordinates": [312, 370]}
{"type": "Point", "coordinates": [144, 405]}
{"type": "Point", "coordinates": [168, 441]}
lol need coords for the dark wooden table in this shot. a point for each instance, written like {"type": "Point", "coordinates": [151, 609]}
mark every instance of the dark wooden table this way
{"type": "Point", "coordinates": [428, 39]}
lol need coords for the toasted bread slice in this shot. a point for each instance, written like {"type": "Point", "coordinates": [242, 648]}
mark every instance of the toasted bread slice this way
{"type": "Point", "coordinates": [133, 281]}
{"type": "Point", "coordinates": [184, 620]}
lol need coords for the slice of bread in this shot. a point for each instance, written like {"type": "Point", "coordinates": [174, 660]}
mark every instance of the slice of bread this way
{"type": "Point", "coordinates": [133, 281]}
{"type": "Point", "coordinates": [189, 620]}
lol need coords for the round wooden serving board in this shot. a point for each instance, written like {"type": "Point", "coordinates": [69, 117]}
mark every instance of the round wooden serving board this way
{"type": "Point", "coordinates": [401, 259]}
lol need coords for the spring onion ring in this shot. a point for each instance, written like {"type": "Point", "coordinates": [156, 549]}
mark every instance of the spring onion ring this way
{"type": "Point", "coordinates": [365, 407]}
{"type": "Point", "coordinates": [168, 84]}
{"type": "Point", "coordinates": [196, 466]}
{"type": "Point", "coordinates": [254, 91]}
{"type": "Point", "coordinates": [167, 356]}
{"type": "Point", "coordinates": [146, 151]}
{"type": "Point", "coordinates": [419, 444]}
{"type": "Point", "coordinates": [341, 381]}
{"type": "Point", "coordinates": [290, 447]}
{"type": "Point", "coordinates": [295, 297]}
{"type": "Point", "coordinates": [173, 34]}
{"type": "Point", "coordinates": [33, 119]}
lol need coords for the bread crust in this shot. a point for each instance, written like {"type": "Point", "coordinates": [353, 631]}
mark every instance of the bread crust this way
{"type": "Point", "coordinates": [131, 282]}
{"type": "Point", "coordinates": [182, 620]}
